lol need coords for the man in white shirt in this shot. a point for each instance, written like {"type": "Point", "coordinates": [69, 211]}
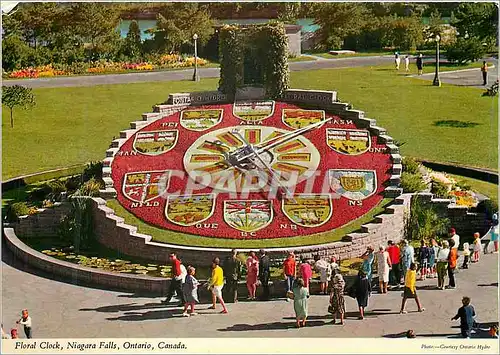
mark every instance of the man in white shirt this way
{"type": "Point", "coordinates": [455, 237]}
{"type": "Point", "coordinates": [26, 321]}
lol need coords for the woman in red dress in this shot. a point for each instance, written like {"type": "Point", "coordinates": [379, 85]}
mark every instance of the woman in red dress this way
{"type": "Point", "coordinates": [252, 265]}
{"type": "Point", "coordinates": [305, 271]}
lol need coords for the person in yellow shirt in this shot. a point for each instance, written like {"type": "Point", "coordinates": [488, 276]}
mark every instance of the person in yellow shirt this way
{"type": "Point", "coordinates": [411, 289]}
{"type": "Point", "coordinates": [216, 285]}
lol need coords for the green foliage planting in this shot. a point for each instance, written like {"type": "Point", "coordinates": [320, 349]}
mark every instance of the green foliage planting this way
{"type": "Point", "coordinates": [91, 188]}
{"type": "Point", "coordinates": [93, 171]}
{"type": "Point", "coordinates": [477, 21]}
{"type": "Point", "coordinates": [16, 210]}
{"type": "Point", "coordinates": [254, 55]}
{"type": "Point", "coordinates": [492, 90]}
{"type": "Point", "coordinates": [77, 227]}
{"type": "Point", "coordinates": [465, 50]}
{"type": "Point", "coordinates": [412, 182]}
{"type": "Point", "coordinates": [439, 189]}
{"type": "Point", "coordinates": [19, 96]}
{"type": "Point", "coordinates": [424, 221]}
{"type": "Point", "coordinates": [410, 165]}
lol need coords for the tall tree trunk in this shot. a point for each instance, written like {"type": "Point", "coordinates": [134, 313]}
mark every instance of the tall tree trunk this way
{"type": "Point", "coordinates": [11, 119]}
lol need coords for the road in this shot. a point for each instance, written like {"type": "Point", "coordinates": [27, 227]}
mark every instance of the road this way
{"type": "Point", "coordinates": [63, 310]}
{"type": "Point", "coordinates": [187, 74]}
{"type": "Point", "coordinates": [467, 77]}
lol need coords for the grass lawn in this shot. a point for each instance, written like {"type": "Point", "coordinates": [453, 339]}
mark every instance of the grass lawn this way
{"type": "Point", "coordinates": [75, 125]}
{"type": "Point", "coordinates": [327, 55]}
{"type": "Point", "coordinates": [302, 58]}
{"type": "Point", "coordinates": [166, 236]}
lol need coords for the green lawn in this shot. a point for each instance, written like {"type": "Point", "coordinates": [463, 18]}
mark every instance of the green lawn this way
{"type": "Point", "coordinates": [75, 125]}
{"type": "Point", "coordinates": [167, 236]}
{"type": "Point", "coordinates": [302, 58]}
{"type": "Point", "coordinates": [327, 55]}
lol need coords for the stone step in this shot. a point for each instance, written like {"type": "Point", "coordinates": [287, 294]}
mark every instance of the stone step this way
{"type": "Point", "coordinates": [384, 138]}
{"type": "Point", "coordinates": [367, 122]}
{"type": "Point", "coordinates": [127, 133]}
{"type": "Point", "coordinates": [396, 158]}
{"type": "Point", "coordinates": [106, 171]}
{"type": "Point", "coordinates": [131, 229]}
{"type": "Point", "coordinates": [111, 152]}
{"type": "Point", "coordinates": [146, 237]}
{"type": "Point", "coordinates": [397, 169]}
{"type": "Point", "coordinates": [393, 149]}
{"type": "Point", "coordinates": [395, 180]}
{"type": "Point", "coordinates": [119, 220]}
{"type": "Point", "coordinates": [353, 237]}
{"type": "Point", "coordinates": [107, 162]}
{"type": "Point", "coordinates": [107, 210]}
{"type": "Point", "coordinates": [117, 143]}
{"type": "Point", "coordinates": [150, 116]}
{"type": "Point", "coordinates": [108, 182]}
{"type": "Point", "coordinates": [377, 130]}
{"type": "Point", "coordinates": [370, 227]}
{"type": "Point", "coordinates": [138, 124]}
{"type": "Point", "coordinates": [353, 114]}
{"type": "Point", "coordinates": [392, 191]}
{"type": "Point", "coordinates": [108, 193]}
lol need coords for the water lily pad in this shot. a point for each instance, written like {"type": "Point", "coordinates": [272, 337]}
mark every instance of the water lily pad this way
{"type": "Point", "coordinates": [70, 257]}
{"type": "Point", "coordinates": [152, 265]}
{"type": "Point", "coordinates": [45, 251]}
{"type": "Point", "coordinates": [140, 267]}
{"type": "Point", "coordinates": [151, 268]}
{"type": "Point", "coordinates": [141, 272]}
{"type": "Point", "coordinates": [126, 270]}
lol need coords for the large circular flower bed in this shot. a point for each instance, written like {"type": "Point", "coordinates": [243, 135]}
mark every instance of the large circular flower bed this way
{"type": "Point", "coordinates": [251, 170]}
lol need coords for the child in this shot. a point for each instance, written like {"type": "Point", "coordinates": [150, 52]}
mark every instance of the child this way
{"type": "Point", "coordinates": [190, 290]}
{"type": "Point", "coordinates": [300, 296]}
{"type": "Point", "coordinates": [13, 333]}
{"type": "Point", "coordinates": [411, 289]}
{"type": "Point", "coordinates": [477, 247]}
{"type": "Point", "coordinates": [363, 290]}
{"type": "Point", "coordinates": [26, 321]}
{"type": "Point", "coordinates": [466, 254]}
{"type": "Point", "coordinates": [466, 314]}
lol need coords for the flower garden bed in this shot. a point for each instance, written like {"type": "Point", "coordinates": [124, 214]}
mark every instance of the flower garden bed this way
{"type": "Point", "coordinates": [168, 61]}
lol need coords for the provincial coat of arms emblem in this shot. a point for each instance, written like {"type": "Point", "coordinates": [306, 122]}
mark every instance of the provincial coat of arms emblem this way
{"type": "Point", "coordinates": [200, 120]}
{"type": "Point", "coordinates": [145, 186]}
{"type": "Point", "coordinates": [155, 142]}
{"type": "Point", "coordinates": [353, 184]}
{"type": "Point", "coordinates": [253, 111]}
{"type": "Point", "coordinates": [308, 210]}
{"type": "Point", "coordinates": [248, 215]}
{"type": "Point", "coordinates": [188, 210]}
{"type": "Point", "coordinates": [348, 141]}
{"type": "Point", "coordinates": [301, 118]}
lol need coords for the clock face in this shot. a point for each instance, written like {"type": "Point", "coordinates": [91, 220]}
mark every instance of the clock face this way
{"type": "Point", "coordinates": [251, 170]}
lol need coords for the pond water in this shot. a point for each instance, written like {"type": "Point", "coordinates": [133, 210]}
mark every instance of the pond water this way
{"type": "Point", "coordinates": [306, 23]}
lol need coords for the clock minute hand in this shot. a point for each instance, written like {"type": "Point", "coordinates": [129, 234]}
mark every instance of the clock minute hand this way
{"type": "Point", "coordinates": [282, 139]}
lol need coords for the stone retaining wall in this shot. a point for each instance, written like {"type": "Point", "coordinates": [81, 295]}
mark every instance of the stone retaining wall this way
{"type": "Point", "coordinates": [112, 232]}
{"type": "Point", "coordinates": [44, 223]}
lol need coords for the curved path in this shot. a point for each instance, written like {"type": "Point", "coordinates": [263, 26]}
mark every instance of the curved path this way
{"type": "Point", "coordinates": [187, 74]}
{"type": "Point", "coordinates": [63, 310]}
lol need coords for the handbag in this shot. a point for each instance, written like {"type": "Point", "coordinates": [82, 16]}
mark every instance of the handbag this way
{"type": "Point", "coordinates": [330, 309]}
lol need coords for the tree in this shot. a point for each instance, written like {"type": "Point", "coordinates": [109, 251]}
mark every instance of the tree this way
{"type": "Point", "coordinates": [133, 42]}
{"type": "Point", "coordinates": [17, 95]}
{"type": "Point", "coordinates": [37, 20]}
{"type": "Point", "coordinates": [405, 33]}
{"type": "Point", "coordinates": [338, 21]}
{"type": "Point", "coordinates": [477, 20]}
{"type": "Point", "coordinates": [435, 25]}
{"type": "Point", "coordinates": [424, 221]}
{"type": "Point", "coordinates": [466, 49]}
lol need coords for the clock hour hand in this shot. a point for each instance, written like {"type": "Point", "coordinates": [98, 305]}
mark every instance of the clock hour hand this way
{"type": "Point", "coordinates": [251, 149]}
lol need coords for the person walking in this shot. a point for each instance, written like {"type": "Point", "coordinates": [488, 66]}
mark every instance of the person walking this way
{"type": "Point", "coordinates": [394, 254]}
{"type": "Point", "coordinates": [305, 272]}
{"type": "Point", "coordinates": [407, 257]}
{"type": "Point", "coordinates": [362, 289]}
{"type": "Point", "coordinates": [477, 247]}
{"type": "Point", "coordinates": [25, 321]}
{"type": "Point", "coordinates": [494, 234]}
{"type": "Point", "coordinates": [252, 265]}
{"type": "Point", "coordinates": [410, 290]}
{"type": "Point", "coordinates": [367, 266]}
{"type": "Point", "coordinates": [290, 273]}
{"type": "Point", "coordinates": [442, 263]}
{"type": "Point", "coordinates": [233, 267]}
{"type": "Point", "coordinates": [424, 255]}
{"type": "Point", "coordinates": [300, 300]}
{"type": "Point", "coordinates": [407, 63]}
{"type": "Point", "coordinates": [323, 268]}
{"type": "Point", "coordinates": [264, 273]}
{"type": "Point", "coordinates": [484, 71]}
{"type": "Point", "coordinates": [452, 264]}
{"type": "Point", "coordinates": [397, 60]}
{"type": "Point", "coordinates": [383, 267]}
{"type": "Point", "coordinates": [420, 64]}
{"type": "Point", "coordinates": [466, 313]}
{"type": "Point", "coordinates": [433, 249]}
{"type": "Point", "coordinates": [466, 255]}
{"type": "Point", "coordinates": [190, 289]}
{"type": "Point", "coordinates": [337, 302]}
{"type": "Point", "coordinates": [216, 285]}
{"type": "Point", "coordinates": [175, 281]}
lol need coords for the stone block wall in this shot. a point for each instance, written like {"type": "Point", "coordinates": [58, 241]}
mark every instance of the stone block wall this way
{"type": "Point", "coordinates": [44, 223]}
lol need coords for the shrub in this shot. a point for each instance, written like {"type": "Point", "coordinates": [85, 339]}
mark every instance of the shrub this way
{"type": "Point", "coordinates": [17, 209]}
{"type": "Point", "coordinates": [40, 193]}
{"type": "Point", "coordinates": [487, 206]}
{"type": "Point", "coordinates": [73, 183]}
{"type": "Point", "coordinates": [439, 189]}
{"type": "Point", "coordinates": [464, 50]}
{"type": "Point", "coordinates": [424, 221]}
{"type": "Point", "coordinates": [412, 182]}
{"type": "Point", "coordinates": [91, 188]}
{"type": "Point", "coordinates": [464, 186]}
{"type": "Point", "coordinates": [492, 91]}
{"type": "Point", "coordinates": [93, 171]}
{"type": "Point", "coordinates": [410, 165]}
{"type": "Point", "coordinates": [56, 187]}
{"type": "Point", "coordinates": [77, 227]}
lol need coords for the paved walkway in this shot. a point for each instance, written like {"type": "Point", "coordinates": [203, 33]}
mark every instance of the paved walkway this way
{"type": "Point", "coordinates": [187, 74]}
{"type": "Point", "coordinates": [62, 310]}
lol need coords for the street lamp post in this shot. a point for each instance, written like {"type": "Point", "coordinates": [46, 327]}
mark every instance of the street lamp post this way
{"type": "Point", "coordinates": [436, 81]}
{"type": "Point", "coordinates": [195, 74]}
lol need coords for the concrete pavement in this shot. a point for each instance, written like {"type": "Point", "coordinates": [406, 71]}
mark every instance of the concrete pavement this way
{"type": "Point", "coordinates": [62, 310]}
